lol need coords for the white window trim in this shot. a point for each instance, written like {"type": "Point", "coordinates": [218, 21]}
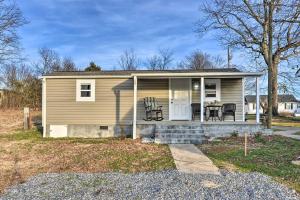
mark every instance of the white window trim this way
{"type": "Point", "coordinates": [218, 90]}
{"type": "Point", "coordinates": [78, 90]}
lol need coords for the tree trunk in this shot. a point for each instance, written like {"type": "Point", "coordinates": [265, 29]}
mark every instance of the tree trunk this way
{"type": "Point", "coordinates": [275, 87]}
{"type": "Point", "coordinates": [270, 64]}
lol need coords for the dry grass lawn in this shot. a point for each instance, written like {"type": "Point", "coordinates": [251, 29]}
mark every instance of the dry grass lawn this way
{"type": "Point", "coordinates": [11, 120]}
{"type": "Point", "coordinates": [25, 154]}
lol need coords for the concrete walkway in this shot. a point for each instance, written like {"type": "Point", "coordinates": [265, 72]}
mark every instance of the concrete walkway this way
{"type": "Point", "coordinates": [189, 159]}
{"type": "Point", "coordinates": [287, 131]}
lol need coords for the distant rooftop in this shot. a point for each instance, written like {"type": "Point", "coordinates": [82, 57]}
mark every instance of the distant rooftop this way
{"type": "Point", "coordinates": [281, 98]}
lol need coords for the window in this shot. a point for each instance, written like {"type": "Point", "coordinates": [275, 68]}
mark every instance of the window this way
{"type": "Point", "coordinates": [254, 106]}
{"type": "Point", "coordinates": [288, 106]}
{"type": "Point", "coordinates": [212, 89]}
{"type": "Point", "coordinates": [85, 90]}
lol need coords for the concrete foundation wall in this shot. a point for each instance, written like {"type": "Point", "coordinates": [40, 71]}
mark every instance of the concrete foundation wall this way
{"type": "Point", "coordinates": [224, 130]}
{"type": "Point", "coordinates": [149, 130]}
{"type": "Point", "coordinates": [94, 131]}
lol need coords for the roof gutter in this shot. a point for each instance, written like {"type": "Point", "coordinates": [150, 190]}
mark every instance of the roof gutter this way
{"type": "Point", "coordinates": [160, 75]}
{"type": "Point", "coordinates": [88, 76]}
{"type": "Point", "coordinates": [199, 74]}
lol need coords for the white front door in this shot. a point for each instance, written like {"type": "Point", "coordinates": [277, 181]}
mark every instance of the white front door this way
{"type": "Point", "coordinates": [180, 108]}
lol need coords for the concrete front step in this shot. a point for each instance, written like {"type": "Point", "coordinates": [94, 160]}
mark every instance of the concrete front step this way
{"type": "Point", "coordinates": [194, 131]}
{"type": "Point", "coordinates": [178, 127]}
{"type": "Point", "coordinates": [179, 135]}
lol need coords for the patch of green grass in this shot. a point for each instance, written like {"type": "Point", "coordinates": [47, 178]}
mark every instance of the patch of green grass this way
{"type": "Point", "coordinates": [291, 124]}
{"type": "Point", "coordinates": [285, 118]}
{"type": "Point", "coordinates": [35, 136]}
{"type": "Point", "coordinates": [298, 133]}
{"type": "Point", "coordinates": [270, 157]}
{"type": "Point", "coordinates": [32, 134]}
{"type": "Point", "coordinates": [251, 116]}
{"type": "Point", "coordinates": [276, 129]}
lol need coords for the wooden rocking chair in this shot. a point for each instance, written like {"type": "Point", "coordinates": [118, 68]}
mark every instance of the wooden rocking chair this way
{"type": "Point", "coordinates": [152, 109]}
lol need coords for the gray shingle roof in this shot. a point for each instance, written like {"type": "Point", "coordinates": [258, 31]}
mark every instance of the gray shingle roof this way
{"type": "Point", "coordinates": [125, 72]}
{"type": "Point", "coordinates": [281, 98]}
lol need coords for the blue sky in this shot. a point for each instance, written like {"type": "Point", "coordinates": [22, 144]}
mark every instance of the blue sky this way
{"type": "Point", "coordinates": [100, 30]}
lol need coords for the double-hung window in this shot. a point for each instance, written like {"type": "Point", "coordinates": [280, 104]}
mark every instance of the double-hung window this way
{"type": "Point", "coordinates": [288, 106]}
{"type": "Point", "coordinates": [212, 90]}
{"type": "Point", "coordinates": [85, 90]}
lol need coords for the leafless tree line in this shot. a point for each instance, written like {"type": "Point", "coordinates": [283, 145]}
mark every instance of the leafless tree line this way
{"type": "Point", "coordinates": [164, 59]}
{"type": "Point", "coordinates": [22, 81]}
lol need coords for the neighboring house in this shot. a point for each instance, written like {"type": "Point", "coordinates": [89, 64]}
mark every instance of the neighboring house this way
{"type": "Point", "coordinates": [287, 103]}
{"type": "Point", "coordinates": [111, 103]}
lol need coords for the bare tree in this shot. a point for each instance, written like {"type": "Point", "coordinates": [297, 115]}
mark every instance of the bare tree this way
{"type": "Point", "coordinates": [160, 61]}
{"type": "Point", "coordinates": [269, 28]}
{"type": "Point", "coordinates": [68, 64]}
{"type": "Point", "coordinates": [128, 60]}
{"type": "Point", "coordinates": [200, 60]}
{"type": "Point", "coordinates": [23, 87]}
{"type": "Point", "coordinates": [11, 19]}
{"type": "Point", "coordinates": [153, 63]}
{"type": "Point", "coordinates": [50, 61]}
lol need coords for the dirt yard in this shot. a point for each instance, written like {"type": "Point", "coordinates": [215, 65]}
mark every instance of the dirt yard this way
{"type": "Point", "coordinates": [13, 119]}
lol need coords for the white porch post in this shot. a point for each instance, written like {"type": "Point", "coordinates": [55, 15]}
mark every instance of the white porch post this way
{"type": "Point", "coordinates": [257, 100]}
{"type": "Point", "coordinates": [202, 100]}
{"type": "Point", "coordinates": [134, 107]}
{"type": "Point", "coordinates": [243, 96]}
{"type": "Point", "coordinates": [44, 124]}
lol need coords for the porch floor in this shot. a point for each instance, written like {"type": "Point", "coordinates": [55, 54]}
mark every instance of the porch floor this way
{"type": "Point", "coordinates": [197, 122]}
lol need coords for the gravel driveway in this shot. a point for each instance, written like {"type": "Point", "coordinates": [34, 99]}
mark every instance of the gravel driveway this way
{"type": "Point", "coordinates": [150, 185]}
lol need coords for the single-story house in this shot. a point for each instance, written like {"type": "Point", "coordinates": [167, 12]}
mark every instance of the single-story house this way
{"type": "Point", "coordinates": [114, 103]}
{"type": "Point", "coordinates": [287, 103]}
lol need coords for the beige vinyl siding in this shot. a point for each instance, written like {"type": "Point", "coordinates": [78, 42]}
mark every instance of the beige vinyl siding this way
{"type": "Point", "coordinates": [158, 88]}
{"type": "Point", "coordinates": [113, 102]}
{"type": "Point", "coordinates": [231, 92]}
{"type": "Point", "coordinates": [196, 93]}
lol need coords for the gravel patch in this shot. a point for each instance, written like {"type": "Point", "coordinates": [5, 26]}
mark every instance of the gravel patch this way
{"type": "Point", "coordinates": [150, 185]}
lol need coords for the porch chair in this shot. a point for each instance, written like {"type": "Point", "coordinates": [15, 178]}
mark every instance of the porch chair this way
{"type": "Point", "coordinates": [228, 109]}
{"type": "Point", "coordinates": [152, 107]}
{"type": "Point", "coordinates": [196, 110]}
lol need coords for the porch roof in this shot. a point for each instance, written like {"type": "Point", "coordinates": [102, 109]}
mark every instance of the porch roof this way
{"type": "Point", "coordinates": [216, 72]}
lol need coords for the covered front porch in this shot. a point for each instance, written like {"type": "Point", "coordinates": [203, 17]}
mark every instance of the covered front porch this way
{"type": "Point", "coordinates": [192, 99]}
